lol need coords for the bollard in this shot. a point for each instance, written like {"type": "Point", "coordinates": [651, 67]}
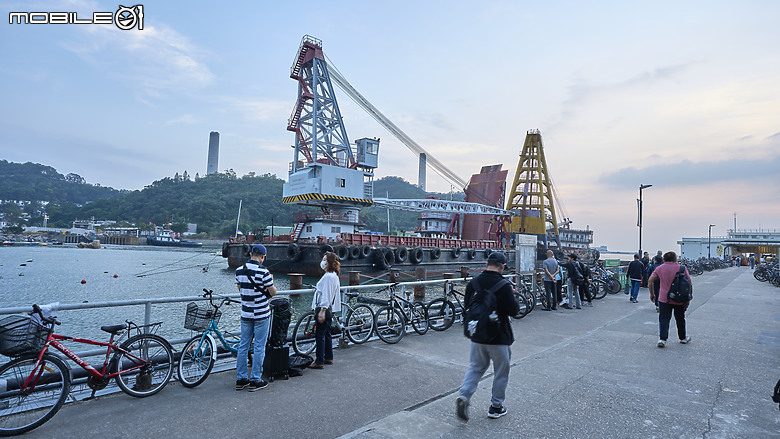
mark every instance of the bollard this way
{"type": "Point", "coordinates": [296, 282]}
{"type": "Point", "coordinates": [447, 285]}
{"type": "Point", "coordinates": [354, 278]}
{"type": "Point", "coordinates": [394, 276]}
{"type": "Point", "coordinates": [464, 272]}
{"type": "Point", "coordinates": [420, 273]}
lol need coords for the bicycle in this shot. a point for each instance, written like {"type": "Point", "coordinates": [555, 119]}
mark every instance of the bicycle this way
{"type": "Point", "coordinates": [390, 320]}
{"type": "Point", "coordinates": [200, 353]}
{"type": "Point", "coordinates": [35, 386]}
{"type": "Point", "coordinates": [609, 280]}
{"type": "Point", "coordinates": [358, 326]}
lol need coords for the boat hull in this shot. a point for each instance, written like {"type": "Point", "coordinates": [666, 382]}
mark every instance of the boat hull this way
{"type": "Point", "coordinates": [156, 242]}
{"type": "Point", "coordinates": [305, 258]}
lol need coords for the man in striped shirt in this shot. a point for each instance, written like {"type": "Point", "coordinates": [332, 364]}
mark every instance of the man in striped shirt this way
{"type": "Point", "coordinates": [256, 286]}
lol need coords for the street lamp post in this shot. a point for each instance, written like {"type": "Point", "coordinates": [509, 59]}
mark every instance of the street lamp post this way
{"type": "Point", "coordinates": [709, 239]}
{"type": "Point", "coordinates": [641, 186]}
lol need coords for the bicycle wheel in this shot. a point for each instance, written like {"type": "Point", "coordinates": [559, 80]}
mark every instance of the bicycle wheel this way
{"type": "Point", "coordinates": [543, 299]}
{"type": "Point", "coordinates": [441, 314]}
{"type": "Point", "coordinates": [359, 324]}
{"type": "Point", "coordinates": [522, 303]}
{"type": "Point", "coordinates": [419, 316]}
{"type": "Point", "coordinates": [197, 360]}
{"type": "Point", "coordinates": [598, 290]}
{"type": "Point", "coordinates": [303, 335]}
{"type": "Point", "coordinates": [23, 411]}
{"type": "Point", "coordinates": [389, 324]}
{"type": "Point", "coordinates": [146, 367]}
{"type": "Point", "coordinates": [614, 286]}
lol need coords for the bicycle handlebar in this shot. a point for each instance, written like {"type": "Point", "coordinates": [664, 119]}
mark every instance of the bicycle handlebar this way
{"type": "Point", "coordinates": [48, 320]}
{"type": "Point", "coordinates": [225, 300]}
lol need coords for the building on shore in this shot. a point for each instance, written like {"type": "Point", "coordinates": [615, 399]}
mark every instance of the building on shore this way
{"type": "Point", "coordinates": [737, 242]}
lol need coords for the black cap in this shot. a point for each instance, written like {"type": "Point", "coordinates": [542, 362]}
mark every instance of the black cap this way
{"type": "Point", "coordinates": [496, 258]}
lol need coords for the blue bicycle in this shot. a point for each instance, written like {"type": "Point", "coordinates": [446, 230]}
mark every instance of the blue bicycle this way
{"type": "Point", "coordinates": [200, 353]}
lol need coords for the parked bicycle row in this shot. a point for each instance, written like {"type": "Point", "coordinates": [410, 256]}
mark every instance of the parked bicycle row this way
{"type": "Point", "coordinates": [768, 272]}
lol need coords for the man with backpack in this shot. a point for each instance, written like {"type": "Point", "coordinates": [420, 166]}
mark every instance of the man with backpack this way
{"type": "Point", "coordinates": [666, 274]}
{"type": "Point", "coordinates": [575, 280]}
{"type": "Point", "coordinates": [488, 304]}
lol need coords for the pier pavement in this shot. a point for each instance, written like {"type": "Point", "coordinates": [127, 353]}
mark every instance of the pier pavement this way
{"type": "Point", "coordinates": [591, 373]}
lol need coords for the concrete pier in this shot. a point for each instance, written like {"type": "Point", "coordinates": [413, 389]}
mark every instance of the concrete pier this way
{"type": "Point", "coordinates": [590, 373]}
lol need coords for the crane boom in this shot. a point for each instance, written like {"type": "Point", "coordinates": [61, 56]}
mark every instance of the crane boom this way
{"type": "Point", "coordinates": [359, 99]}
{"type": "Point", "coordinates": [443, 206]}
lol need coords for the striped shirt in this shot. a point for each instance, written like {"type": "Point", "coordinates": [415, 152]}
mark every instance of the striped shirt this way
{"type": "Point", "coordinates": [254, 304]}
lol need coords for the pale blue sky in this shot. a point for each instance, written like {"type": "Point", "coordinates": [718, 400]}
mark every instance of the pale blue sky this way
{"type": "Point", "coordinates": [681, 95]}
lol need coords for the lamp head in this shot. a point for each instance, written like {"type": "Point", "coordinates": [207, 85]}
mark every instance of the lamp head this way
{"type": "Point", "coordinates": [645, 186]}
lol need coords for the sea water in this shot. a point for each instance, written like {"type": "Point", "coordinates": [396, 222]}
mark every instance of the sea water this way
{"type": "Point", "coordinates": [70, 275]}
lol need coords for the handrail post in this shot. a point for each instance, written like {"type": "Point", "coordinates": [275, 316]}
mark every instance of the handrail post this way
{"type": "Point", "coordinates": [147, 316]}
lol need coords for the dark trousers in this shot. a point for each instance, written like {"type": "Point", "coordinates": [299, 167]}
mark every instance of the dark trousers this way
{"type": "Point", "coordinates": [550, 291]}
{"type": "Point", "coordinates": [323, 338]}
{"type": "Point", "coordinates": [559, 291]}
{"type": "Point", "coordinates": [665, 316]}
{"type": "Point", "coordinates": [585, 292]}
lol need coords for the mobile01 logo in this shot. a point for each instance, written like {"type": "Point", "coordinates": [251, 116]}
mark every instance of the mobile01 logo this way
{"type": "Point", "coordinates": [125, 17]}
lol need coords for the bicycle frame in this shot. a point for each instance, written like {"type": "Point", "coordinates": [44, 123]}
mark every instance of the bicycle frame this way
{"type": "Point", "coordinates": [53, 341]}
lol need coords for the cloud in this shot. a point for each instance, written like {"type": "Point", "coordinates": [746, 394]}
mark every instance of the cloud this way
{"type": "Point", "coordinates": [186, 119]}
{"type": "Point", "coordinates": [687, 173]}
{"type": "Point", "coordinates": [156, 60]}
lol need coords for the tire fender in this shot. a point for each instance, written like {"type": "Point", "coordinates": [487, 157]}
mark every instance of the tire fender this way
{"type": "Point", "coordinates": [416, 255]}
{"type": "Point", "coordinates": [325, 248]}
{"type": "Point", "coordinates": [342, 252]}
{"type": "Point", "coordinates": [401, 254]}
{"type": "Point", "coordinates": [435, 253]}
{"type": "Point", "coordinates": [294, 252]}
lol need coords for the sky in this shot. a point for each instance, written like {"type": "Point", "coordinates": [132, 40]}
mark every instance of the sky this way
{"type": "Point", "coordinates": [681, 95]}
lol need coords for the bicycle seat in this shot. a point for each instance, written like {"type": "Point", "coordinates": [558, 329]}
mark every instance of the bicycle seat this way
{"type": "Point", "coordinates": [113, 329]}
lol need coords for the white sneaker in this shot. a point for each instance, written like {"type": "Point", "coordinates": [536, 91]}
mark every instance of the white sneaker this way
{"type": "Point", "coordinates": [686, 340]}
{"type": "Point", "coordinates": [661, 343]}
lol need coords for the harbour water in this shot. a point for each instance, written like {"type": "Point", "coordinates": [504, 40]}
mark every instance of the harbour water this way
{"type": "Point", "coordinates": [45, 275]}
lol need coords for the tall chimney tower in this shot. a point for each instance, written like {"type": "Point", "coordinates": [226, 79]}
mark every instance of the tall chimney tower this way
{"type": "Point", "coordinates": [421, 174]}
{"type": "Point", "coordinates": [213, 164]}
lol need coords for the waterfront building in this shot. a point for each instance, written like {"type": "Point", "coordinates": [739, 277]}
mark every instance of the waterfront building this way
{"type": "Point", "coordinates": [747, 241]}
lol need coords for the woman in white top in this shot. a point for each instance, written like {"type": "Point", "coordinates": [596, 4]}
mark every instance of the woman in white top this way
{"type": "Point", "coordinates": [328, 297]}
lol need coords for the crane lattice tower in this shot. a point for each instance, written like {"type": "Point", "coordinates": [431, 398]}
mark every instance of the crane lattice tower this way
{"type": "Point", "coordinates": [532, 191]}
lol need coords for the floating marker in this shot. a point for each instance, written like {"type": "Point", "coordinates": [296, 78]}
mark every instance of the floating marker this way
{"type": "Point", "coordinates": [83, 281]}
{"type": "Point", "coordinates": [116, 276]}
{"type": "Point", "coordinates": [22, 265]}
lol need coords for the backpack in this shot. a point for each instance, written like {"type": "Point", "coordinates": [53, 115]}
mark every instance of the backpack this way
{"type": "Point", "coordinates": [576, 275]}
{"type": "Point", "coordinates": [480, 319]}
{"type": "Point", "coordinates": [585, 270]}
{"type": "Point", "coordinates": [681, 290]}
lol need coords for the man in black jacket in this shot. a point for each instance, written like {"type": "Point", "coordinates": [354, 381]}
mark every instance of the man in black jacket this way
{"type": "Point", "coordinates": [635, 269]}
{"type": "Point", "coordinates": [498, 350]}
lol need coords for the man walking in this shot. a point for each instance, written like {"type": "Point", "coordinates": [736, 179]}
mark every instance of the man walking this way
{"type": "Point", "coordinates": [550, 270]}
{"type": "Point", "coordinates": [635, 269]}
{"type": "Point", "coordinates": [256, 286]}
{"type": "Point", "coordinates": [665, 274]}
{"type": "Point", "coordinates": [498, 350]}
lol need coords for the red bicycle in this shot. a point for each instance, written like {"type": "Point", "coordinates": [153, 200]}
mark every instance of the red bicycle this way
{"type": "Point", "coordinates": [34, 386]}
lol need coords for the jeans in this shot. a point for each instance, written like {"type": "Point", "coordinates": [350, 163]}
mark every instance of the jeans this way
{"type": "Point", "coordinates": [323, 338]}
{"type": "Point", "coordinates": [665, 317]}
{"type": "Point", "coordinates": [257, 329]}
{"type": "Point", "coordinates": [480, 357]}
{"type": "Point", "coordinates": [635, 284]}
{"type": "Point", "coordinates": [550, 293]}
{"type": "Point", "coordinates": [574, 297]}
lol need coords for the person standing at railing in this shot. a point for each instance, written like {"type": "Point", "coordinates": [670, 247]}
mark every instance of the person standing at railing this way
{"type": "Point", "coordinates": [326, 301]}
{"type": "Point", "coordinates": [256, 285]}
{"type": "Point", "coordinates": [550, 270]}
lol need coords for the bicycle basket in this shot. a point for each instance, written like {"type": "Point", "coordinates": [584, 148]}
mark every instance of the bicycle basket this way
{"type": "Point", "coordinates": [20, 335]}
{"type": "Point", "coordinates": [198, 318]}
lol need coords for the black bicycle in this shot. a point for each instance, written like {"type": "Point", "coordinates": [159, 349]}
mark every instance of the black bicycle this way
{"type": "Point", "coordinates": [390, 320]}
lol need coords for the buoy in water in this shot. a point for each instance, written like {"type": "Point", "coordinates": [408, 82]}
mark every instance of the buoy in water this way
{"type": "Point", "coordinates": [22, 265]}
{"type": "Point", "coordinates": [116, 276]}
{"type": "Point", "coordinates": [83, 281]}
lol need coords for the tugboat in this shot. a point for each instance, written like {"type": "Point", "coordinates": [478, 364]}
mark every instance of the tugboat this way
{"type": "Point", "coordinates": [165, 238]}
